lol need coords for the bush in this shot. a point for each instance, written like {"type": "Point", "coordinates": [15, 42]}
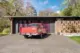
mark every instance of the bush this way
{"type": "Point", "coordinates": [6, 31]}
{"type": "Point", "coordinates": [4, 24]}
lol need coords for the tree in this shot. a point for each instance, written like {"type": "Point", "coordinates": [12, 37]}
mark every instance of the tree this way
{"type": "Point", "coordinates": [48, 12]}
{"type": "Point", "coordinates": [76, 10]}
{"type": "Point", "coordinates": [67, 11]}
{"type": "Point", "coordinates": [2, 12]}
{"type": "Point", "coordinates": [30, 10]}
{"type": "Point", "coordinates": [72, 10]}
{"type": "Point", "coordinates": [69, 2]}
{"type": "Point", "coordinates": [18, 8]}
{"type": "Point", "coordinates": [7, 5]}
{"type": "Point", "coordinates": [12, 7]}
{"type": "Point", "coordinates": [9, 8]}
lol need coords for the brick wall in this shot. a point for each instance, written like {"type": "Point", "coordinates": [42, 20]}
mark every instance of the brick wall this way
{"type": "Point", "coordinates": [67, 26]}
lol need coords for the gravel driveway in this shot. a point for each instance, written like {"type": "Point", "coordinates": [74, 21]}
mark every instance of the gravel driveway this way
{"type": "Point", "coordinates": [51, 44]}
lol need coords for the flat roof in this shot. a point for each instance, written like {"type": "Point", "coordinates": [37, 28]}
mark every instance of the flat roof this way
{"type": "Point", "coordinates": [41, 17]}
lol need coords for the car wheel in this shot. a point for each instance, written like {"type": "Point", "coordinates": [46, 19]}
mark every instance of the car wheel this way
{"type": "Point", "coordinates": [26, 36]}
{"type": "Point", "coordinates": [41, 36]}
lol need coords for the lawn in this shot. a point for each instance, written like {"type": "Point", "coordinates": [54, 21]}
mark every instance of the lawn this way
{"type": "Point", "coordinates": [6, 31]}
{"type": "Point", "coordinates": [3, 34]}
{"type": "Point", "coordinates": [76, 38]}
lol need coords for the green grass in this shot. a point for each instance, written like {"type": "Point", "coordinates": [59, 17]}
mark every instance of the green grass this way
{"type": "Point", "coordinates": [3, 34]}
{"type": "Point", "coordinates": [76, 38]}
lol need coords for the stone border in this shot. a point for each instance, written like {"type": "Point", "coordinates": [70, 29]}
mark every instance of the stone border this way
{"type": "Point", "coordinates": [70, 34]}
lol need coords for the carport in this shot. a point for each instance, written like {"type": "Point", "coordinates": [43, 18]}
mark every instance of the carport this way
{"type": "Point", "coordinates": [52, 24]}
{"type": "Point", "coordinates": [49, 23]}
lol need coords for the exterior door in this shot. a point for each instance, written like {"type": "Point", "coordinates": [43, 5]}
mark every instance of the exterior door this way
{"type": "Point", "coordinates": [16, 31]}
{"type": "Point", "coordinates": [52, 26]}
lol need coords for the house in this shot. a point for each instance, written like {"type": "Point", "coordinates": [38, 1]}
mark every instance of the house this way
{"type": "Point", "coordinates": [53, 24]}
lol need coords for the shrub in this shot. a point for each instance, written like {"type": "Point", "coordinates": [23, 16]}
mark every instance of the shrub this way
{"type": "Point", "coordinates": [6, 31]}
{"type": "Point", "coordinates": [4, 24]}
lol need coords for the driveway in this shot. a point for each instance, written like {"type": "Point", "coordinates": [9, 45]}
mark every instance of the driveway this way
{"type": "Point", "coordinates": [51, 44]}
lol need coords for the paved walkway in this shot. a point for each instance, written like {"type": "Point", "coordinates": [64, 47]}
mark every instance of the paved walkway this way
{"type": "Point", "coordinates": [51, 44]}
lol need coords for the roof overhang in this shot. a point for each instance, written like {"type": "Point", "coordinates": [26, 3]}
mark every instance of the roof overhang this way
{"type": "Point", "coordinates": [38, 17]}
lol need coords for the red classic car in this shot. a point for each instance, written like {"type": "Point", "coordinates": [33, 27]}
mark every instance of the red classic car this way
{"type": "Point", "coordinates": [33, 29]}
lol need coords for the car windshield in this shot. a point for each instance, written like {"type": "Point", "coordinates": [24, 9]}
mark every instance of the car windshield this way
{"type": "Point", "coordinates": [33, 24]}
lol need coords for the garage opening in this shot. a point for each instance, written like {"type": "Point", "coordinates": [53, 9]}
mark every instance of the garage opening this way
{"type": "Point", "coordinates": [49, 24]}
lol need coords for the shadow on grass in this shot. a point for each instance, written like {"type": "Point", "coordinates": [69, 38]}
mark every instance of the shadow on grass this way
{"type": "Point", "coordinates": [37, 37]}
